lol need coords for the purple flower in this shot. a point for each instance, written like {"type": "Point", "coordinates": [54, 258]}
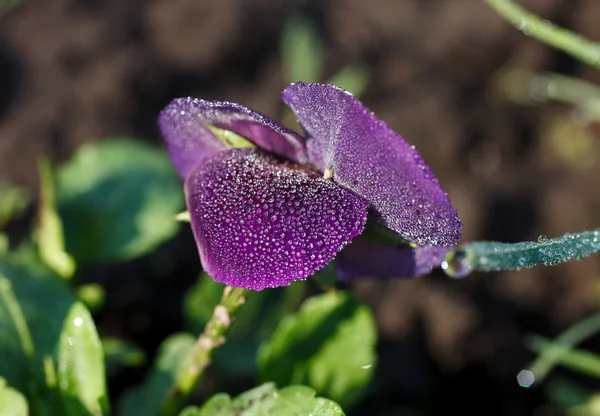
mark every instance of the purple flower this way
{"type": "Point", "coordinates": [270, 215]}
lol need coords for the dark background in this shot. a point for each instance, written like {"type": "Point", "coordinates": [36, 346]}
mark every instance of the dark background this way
{"type": "Point", "coordinates": [84, 70]}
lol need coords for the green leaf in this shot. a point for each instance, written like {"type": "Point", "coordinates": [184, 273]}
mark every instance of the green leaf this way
{"type": "Point", "coordinates": [49, 232]}
{"type": "Point", "coordinates": [12, 403]}
{"type": "Point", "coordinates": [81, 373]}
{"type": "Point", "coordinates": [119, 353]}
{"type": "Point", "coordinates": [301, 50]}
{"type": "Point", "coordinates": [44, 301]}
{"type": "Point", "coordinates": [571, 43]}
{"type": "Point", "coordinates": [147, 398]}
{"type": "Point", "coordinates": [266, 400]}
{"type": "Point", "coordinates": [329, 345]}
{"type": "Point", "coordinates": [13, 201]}
{"type": "Point", "coordinates": [118, 199]}
{"type": "Point", "coordinates": [493, 255]}
{"type": "Point", "coordinates": [352, 78]}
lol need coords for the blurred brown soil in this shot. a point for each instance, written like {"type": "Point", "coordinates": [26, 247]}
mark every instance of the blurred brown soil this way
{"type": "Point", "coordinates": [73, 71]}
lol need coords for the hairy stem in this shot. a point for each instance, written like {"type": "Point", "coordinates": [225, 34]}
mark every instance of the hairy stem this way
{"type": "Point", "coordinates": [200, 356]}
{"type": "Point", "coordinates": [545, 31]}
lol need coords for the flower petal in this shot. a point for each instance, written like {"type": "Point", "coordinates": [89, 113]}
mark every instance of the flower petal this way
{"type": "Point", "coordinates": [260, 224]}
{"type": "Point", "coordinates": [188, 140]}
{"type": "Point", "coordinates": [374, 161]}
{"type": "Point", "coordinates": [363, 258]}
{"type": "Point", "coordinates": [182, 123]}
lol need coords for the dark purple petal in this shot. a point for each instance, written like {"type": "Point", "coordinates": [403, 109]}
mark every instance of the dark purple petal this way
{"type": "Point", "coordinates": [182, 125]}
{"type": "Point", "coordinates": [260, 224]}
{"type": "Point", "coordinates": [363, 258]}
{"type": "Point", "coordinates": [374, 161]}
{"type": "Point", "coordinates": [188, 140]}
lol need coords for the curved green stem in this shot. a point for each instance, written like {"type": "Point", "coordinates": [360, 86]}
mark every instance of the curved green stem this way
{"type": "Point", "coordinates": [200, 356]}
{"type": "Point", "coordinates": [545, 31]}
{"type": "Point", "coordinates": [563, 343]}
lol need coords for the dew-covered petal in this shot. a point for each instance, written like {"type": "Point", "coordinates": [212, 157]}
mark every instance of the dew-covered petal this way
{"type": "Point", "coordinates": [366, 259]}
{"type": "Point", "coordinates": [259, 224]}
{"type": "Point", "coordinates": [183, 124]}
{"type": "Point", "coordinates": [374, 161]}
{"type": "Point", "coordinates": [188, 139]}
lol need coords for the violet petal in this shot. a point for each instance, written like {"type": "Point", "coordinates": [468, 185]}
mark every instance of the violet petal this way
{"type": "Point", "coordinates": [260, 224]}
{"type": "Point", "coordinates": [363, 258]}
{"type": "Point", "coordinates": [182, 125]}
{"type": "Point", "coordinates": [374, 161]}
{"type": "Point", "coordinates": [188, 140]}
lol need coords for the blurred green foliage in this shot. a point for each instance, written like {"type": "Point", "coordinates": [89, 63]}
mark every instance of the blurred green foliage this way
{"type": "Point", "coordinates": [266, 400]}
{"type": "Point", "coordinates": [329, 344]}
{"type": "Point", "coordinates": [117, 199]}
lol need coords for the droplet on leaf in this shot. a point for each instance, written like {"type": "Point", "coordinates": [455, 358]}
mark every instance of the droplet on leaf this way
{"type": "Point", "coordinates": [455, 265]}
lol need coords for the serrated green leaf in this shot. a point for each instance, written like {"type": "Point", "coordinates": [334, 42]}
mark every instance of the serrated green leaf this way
{"type": "Point", "coordinates": [266, 400]}
{"type": "Point", "coordinates": [494, 256]}
{"type": "Point", "coordinates": [12, 402]}
{"type": "Point", "coordinates": [119, 353]}
{"type": "Point", "coordinates": [329, 345]}
{"type": "Point", "coordinates": [44, 301]}
{"type": "Point", "coordinates": [118, 199]}
{"type": "Point", "coordinates": [13, 200]}
{"type": "Point", "coordinates": [147, 398]}
{"type": "Point", "coordinates": [81, 373]}
{"type": "Point", "coordinates": [49, 231]}
{"type": "Point", "coordinates": [301, 50]}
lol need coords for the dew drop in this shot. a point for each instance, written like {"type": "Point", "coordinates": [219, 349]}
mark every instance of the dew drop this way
{"type": "Point", "coordinates": [455, 264]}
{"type": "Point", "coordinates": [78, 321]}
{"type": "Point", "coordinates": [525, 378]}
{"type": "Point", "coordinates": [541, 238]}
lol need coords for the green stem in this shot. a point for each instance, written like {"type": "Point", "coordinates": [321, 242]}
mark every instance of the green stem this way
{"type": "Point", "coordinates": [568, 339]}
{"type": "Point", "coordinates": [200, 356]}
{"type": "Point", "coordinates": [543, 30]}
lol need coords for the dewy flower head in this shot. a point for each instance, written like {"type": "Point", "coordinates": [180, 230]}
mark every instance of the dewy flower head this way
{"type": "Point", "coordinates": [268, 215]}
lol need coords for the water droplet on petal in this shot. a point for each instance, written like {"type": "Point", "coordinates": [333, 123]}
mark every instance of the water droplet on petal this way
{"type": "Point", "coordinates": [455, 264]}
{"type": "Point", "coordinates": [541, 238]}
